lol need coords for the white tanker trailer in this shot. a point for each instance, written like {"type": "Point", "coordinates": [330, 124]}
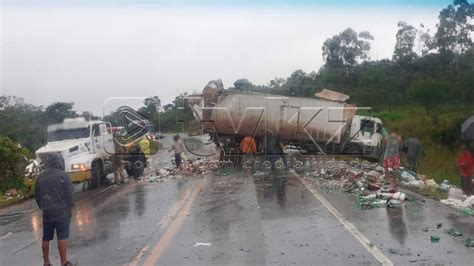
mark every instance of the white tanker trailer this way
{"type": "Point", "coordinates": [325, 124]}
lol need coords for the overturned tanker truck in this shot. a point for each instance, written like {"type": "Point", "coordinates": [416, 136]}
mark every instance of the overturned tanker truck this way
{"type": "Point", "coordinates": [325, 124]}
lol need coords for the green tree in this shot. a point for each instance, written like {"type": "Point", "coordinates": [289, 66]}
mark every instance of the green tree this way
{"type": "Point", "coordinates": [243, 84]}
{"type": "Point", "coordinates": [406, 36]}
{"type": "Point", "coordinates": [151, 107]}
{"type": "Point", "coordinates": [12, 163]}
{"type": "Point", "coordinates": [455, 28]}
{"type": "Point", "coordinates": [276, 83]}
{"type": "Point", "coordinates": [56, 112]}
{"type": "Point", "coordinates": [23, 123]}
{"type": "Point", "coordinates": [89, 116]}
{"type": "Point", "coordinates": [429, 93]}
{"type": "Point", "coordinates": [346, 48]}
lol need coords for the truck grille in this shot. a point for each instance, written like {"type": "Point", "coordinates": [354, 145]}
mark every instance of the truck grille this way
{"type": "Point", "coordinates": [43, 156]}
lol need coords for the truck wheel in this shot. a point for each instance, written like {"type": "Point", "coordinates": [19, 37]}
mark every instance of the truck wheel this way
{"type": "Point", "coordinates": [129, 171]}
{"type": "Point", "coordinates": [134, 170]}
{"type": "Point", "coordinates": [138, 172]}
{"type": "Point", "coordinates": [139, 168]}
{"type": "Point", "coordinates": [97, 175]}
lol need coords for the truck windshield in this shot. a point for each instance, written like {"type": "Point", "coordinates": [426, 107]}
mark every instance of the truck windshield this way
{"type": "Point", "coordinates": [64, 134]}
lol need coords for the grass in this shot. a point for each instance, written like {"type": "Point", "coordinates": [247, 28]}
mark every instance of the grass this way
{"type": "Point", "coordinates": [13, 183]}
{"type": "Point", "coordinates": [4, 201]}
{"type": "Point", "coordinates": [439, 131]}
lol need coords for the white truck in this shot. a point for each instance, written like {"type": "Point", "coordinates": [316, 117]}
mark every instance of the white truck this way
{"type": "Point", "coordinates": [87, 148]}
{"type": "Point", "coordinates": [325, 124]}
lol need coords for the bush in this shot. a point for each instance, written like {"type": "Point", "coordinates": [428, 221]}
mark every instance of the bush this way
{"type": "Point", "coordinates": [450, 135]}
{"type": "Point", "coordinates": [12, 163]}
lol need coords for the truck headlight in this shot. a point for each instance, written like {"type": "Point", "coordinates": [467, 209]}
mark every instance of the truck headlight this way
{"type": "Point", "coordinates": [79, 166]}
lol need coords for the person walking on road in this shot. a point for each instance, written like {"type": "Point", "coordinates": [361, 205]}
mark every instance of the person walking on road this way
{"type": "Point", "coordinates": [466, 167]}
{"type": "Point", "coordinates": [412, 148]}
{"type": "Point", "coordinates": [178, 148]}
{"type": "Point", "coordinates": [54, 195]}
{"type": "Point", "coordinates": [391, 161]}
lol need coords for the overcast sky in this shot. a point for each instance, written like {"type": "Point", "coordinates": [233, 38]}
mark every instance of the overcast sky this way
{"type": "Point", "coordinates": [88, 51]}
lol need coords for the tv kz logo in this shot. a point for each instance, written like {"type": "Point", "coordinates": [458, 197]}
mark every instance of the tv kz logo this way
{"type": "Point", "coordinates": [260, 115]}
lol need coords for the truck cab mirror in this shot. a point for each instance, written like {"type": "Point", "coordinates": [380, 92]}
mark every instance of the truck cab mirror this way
{"type": "Point", "coordinates": [108, 127]}
{"type": "Point", "coordinates": [95, 130]}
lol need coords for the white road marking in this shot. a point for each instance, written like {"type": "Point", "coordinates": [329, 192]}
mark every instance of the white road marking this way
{"type": "Point", "coordinates": [24, 246]}
{"type": "Point", "coordinates": [348, 225]}
{"type": "Point", "coordinates": [6, 235]}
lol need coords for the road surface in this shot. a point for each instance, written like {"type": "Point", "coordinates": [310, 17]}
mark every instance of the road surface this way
{"type": "Point", "coordinates": [234, 218]}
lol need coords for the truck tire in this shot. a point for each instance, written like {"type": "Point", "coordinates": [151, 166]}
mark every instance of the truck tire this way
{"type": "Point", "coordinates": [138, 172]}
{"type": "Point", "coordinates": [95, 176]}
{"type": "Point", "coordinates": [129, 171]}
{"type": "Point", "coordinates": [134, 170]}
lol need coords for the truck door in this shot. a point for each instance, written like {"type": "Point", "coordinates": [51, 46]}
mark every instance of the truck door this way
{"type": "Point", "coordinates": [108, 137]}
{"type": "Point", "coordinates": [102, 140]}
{"type": "Point", "coordinates": [97, 140]}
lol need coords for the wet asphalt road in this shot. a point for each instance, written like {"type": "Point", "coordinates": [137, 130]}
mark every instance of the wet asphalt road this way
{"type": "Point", "coordinates": [237, 218]}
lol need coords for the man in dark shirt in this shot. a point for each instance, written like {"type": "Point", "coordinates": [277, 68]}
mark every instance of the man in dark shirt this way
{"type": "Point", "coordinates": [54, 194]}
{"type": "Point", "coordinates": [412, 149]}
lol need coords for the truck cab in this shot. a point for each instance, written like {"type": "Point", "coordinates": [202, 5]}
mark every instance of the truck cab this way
{"type": "Point", "coordinates": [367, 133]}
{"type": "Point", "coordinates": [85, 146]}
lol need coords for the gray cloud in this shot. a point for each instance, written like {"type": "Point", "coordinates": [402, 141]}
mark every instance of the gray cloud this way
{"type": "Point", "coordinates": [87, 54]}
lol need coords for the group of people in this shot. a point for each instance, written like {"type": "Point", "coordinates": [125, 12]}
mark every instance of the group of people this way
{"type": "Point", "coordinates": [272, 148]}
{"type": "Point", "coordinates": [54, 191]}
{"type": "Point", "coordinates": [413, 150]}
{"type": "Point", "coordinates": [139, 149]}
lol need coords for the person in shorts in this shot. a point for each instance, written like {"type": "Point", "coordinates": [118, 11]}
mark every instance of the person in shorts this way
{"type": "Point", "coordinates": [391, 161]}
{"type": "Point", "coordinates": [54, 195]}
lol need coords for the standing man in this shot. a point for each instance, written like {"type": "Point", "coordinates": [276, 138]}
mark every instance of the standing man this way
{"type": "Point", "coordinates": [466, 167]}
{"type": "Point", "coordinates": [144, 144]}
{"type": "Point", "coordinates": [412, 148]}
{"type": "Point", "coordinates": [178, 148]}
{"type": "Point", "coordinates": [248, 147]}
{"type": "Point", "coordinates": [391, 161]}
{"type": "Point", "coordinates": [117, 163]}
{"type": "Point", "coordinates": [54, 195]}
{"type": "Point", "coordinates": [271, 148]}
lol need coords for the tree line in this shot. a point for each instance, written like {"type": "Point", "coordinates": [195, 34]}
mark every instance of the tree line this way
{"type": "Point", "coordinates": [426, 68]}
